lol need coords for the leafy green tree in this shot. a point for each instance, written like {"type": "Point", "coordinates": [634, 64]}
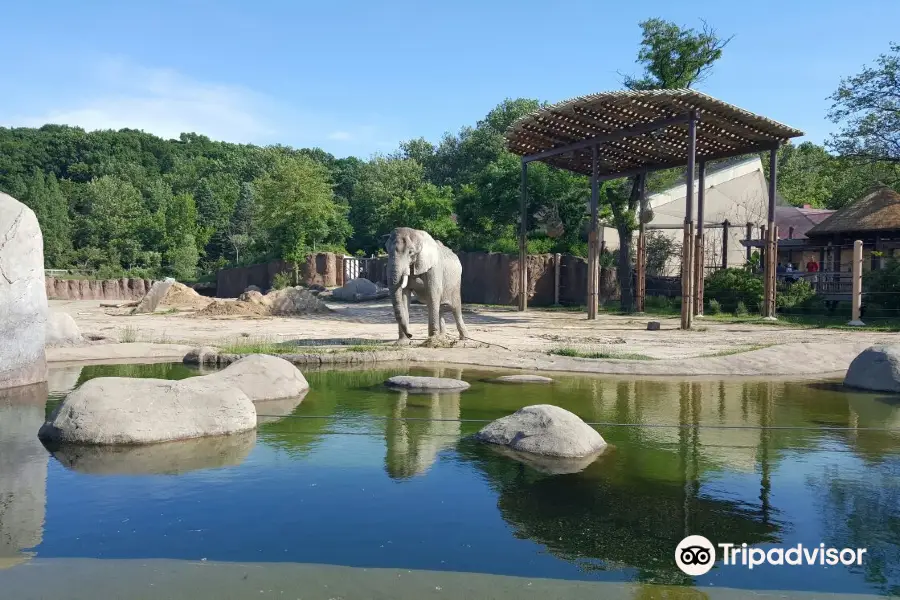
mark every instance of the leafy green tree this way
{"type": "Point", "coordinates": [116, 215]}
{"type": "Point", "coordinates": [867, 106]}
{"type": "Point", "coordinates": [181, 258]}
{"type": "Point", "coordinates": [675, 57]}
{"type": "Point", "coordinates": [296, 208]}
{"type": "Point", "coordinates": [241, 223]}
{"type": "Point", "coordinates": [43, 195]}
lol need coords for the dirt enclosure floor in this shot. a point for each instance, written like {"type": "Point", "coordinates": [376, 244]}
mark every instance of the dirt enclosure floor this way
{"type": "Point", "coordinates": [501, 337]}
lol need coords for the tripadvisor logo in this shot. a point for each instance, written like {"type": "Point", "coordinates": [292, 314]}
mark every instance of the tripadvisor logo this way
{"type": "Point", "coordinates": [695, 555]}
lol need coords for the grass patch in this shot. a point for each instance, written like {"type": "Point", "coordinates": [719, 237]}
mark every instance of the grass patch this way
{"type": "Point", "coordinates": [738, 350]}
{"type": "Point", "coordinates": [246, 345]}
{"type": "Point", "coordinates": [129, 334]}
{"type": "Point", "coordinates": [577, 353]}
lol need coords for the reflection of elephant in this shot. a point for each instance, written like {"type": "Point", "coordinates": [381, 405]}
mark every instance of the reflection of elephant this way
{"type": "Point", "coordinates": [419, 263]}
{"type": "Point", "coordinates": [414, 445]}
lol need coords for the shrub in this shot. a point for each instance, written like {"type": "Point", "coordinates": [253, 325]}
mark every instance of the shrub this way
{"type": "Point", "coordinates": [713, 307]}
{"type": "Point", "coordinates": [282, 280]}
{"type": "Point", "coordinates": [792, 297]}
{"type": "Point", "coordinates": [731, 287]}
{"type": "Point", "coordinates": [740, 310]}
{"type": "Point", "coordinates": [882, 286]}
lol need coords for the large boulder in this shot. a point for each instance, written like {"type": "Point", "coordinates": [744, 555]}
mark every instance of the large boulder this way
{"type": "Point", "coordinates": [154, 296]}
{"type": "Point", "coordinates": [23, 297]}
{"type": "Point", "coordinates": [876, 369]}
{"type": "Point", "coordinates": [62, 330]}
{"type": "Point", "coordinates": [426, 384]}
{"type": "Point", "coordinates": [124, 410]}
{"type": "Point", "coordinates": [545, 430]}
{"type": "Point", "coordinates": [121, 410]}
{"type": "Point", "coordinates": [355, 289]}
{"type": "Point", "coordinates": [264, 377]}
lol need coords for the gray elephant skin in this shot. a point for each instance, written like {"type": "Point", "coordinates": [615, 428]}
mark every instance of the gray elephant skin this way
{"type": "Point", "coordinates": [419, 263]}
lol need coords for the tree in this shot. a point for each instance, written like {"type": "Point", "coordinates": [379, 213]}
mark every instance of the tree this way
{"type": "Point", "coordinates": [241, 223]}
{"type": "Point", "coordinates": [296, 208]}
{"type": "Point", "coordinates": [115, 216]}
{"type": "Point", "coordinates": [674, 57]}
{"type": "Point", "coordinates": [867, 106]}
{"type": "Point", "coordinates": [43, 196]}
{"type": "Point", "coordinates": [182, 257]}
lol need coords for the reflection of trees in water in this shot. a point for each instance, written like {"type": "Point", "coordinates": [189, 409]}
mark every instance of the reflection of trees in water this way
{"type": "Point", "coordinates": [611, 516]}
{"type": "Point", "coordinates": [23, 472]}
{"type": "Point", "coordinates": [864, 512]}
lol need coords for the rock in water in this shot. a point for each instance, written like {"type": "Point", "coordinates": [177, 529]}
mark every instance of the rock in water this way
{"type": "Point", "coordinates": [23, 297]}
{"type": "Point", "coordinates": [522, 379]}
{"type": "Point", "coordinates": [62, 330]}
{"type": "Point", "coordinates": [876, 369]}
{"type": "Point", "coordinates": [124, 410]}
{"type": "Point", "coordinates": [545, 430]}
{"type": "Point", "coordinates": [426, 384]}
{"type": "Point", "coordinates": [264, 377]}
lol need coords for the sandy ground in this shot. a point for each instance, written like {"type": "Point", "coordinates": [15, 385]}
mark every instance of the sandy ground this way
{"type": "Point", "coordinates": [517, 340]}
{"type": "Point", "coordinates": [88, 579]}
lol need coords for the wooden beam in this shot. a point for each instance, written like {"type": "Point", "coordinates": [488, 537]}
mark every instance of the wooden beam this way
{"type": "Point", "coordinates": [594, 254]}
{"type": "Point", "coordinates": [771, 239]}
{"type": "Point", "coordinates": [687, 279]}
{"type": "Point", "coordinates": [699, 251]}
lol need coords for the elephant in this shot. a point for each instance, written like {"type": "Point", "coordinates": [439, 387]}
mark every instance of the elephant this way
{"type": "Point", "coordinates": [419, 263]}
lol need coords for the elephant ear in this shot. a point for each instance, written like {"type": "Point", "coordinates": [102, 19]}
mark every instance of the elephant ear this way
{"type": "Point", "coordinates": [427, 255]}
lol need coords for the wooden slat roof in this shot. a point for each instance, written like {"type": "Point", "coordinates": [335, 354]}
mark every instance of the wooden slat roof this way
{"type": "Point", "coordinates": [723, 130]}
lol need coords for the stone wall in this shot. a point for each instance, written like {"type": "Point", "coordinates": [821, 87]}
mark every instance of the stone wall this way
{"type": "Point", "coordinates": [124, 289]}
{"type": "Point", "coordinates": [324, 268]}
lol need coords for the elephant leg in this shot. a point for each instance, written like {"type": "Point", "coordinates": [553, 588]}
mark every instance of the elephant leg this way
{"type": "Point", "coordinates": [443, 323]}
{"type": "Point", "coordinates": [404, 334]}
{"type": "Point", "coordinates": [457, 316]}
{"type": "Point", "coordinates": [434, 315]}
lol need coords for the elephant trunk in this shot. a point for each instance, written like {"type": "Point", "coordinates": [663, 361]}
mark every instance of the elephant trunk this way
{"type": "Point", "coordinates": [398, 300]}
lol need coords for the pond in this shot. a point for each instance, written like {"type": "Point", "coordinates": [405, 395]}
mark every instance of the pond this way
{"type": "Point", "coordinates": [362, 477]}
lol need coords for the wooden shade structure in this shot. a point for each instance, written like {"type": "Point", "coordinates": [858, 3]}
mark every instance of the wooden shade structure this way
{"type": "Point", "coordinates": [632, 133]}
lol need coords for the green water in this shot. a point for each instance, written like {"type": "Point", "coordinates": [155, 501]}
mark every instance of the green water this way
{"type": "Point", "coordinates": [359, 476]}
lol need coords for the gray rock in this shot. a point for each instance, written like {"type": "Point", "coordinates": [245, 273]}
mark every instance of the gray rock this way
{"type": "Point", "coordinates": [355, 289]}
{"type": "Point", "coordinates": [153, 297]}
{"type": "Point", "coordinates": [62, 380]}
{"type": "Point", "coordinates": [264, 377]}
{"type": "Point", "coordinates": [122, 410]}
{"type": "Point", "coordinates": [62, 330]}
{"type": "Point", "coordinates": [157, 459]}
{"type": "Point", "coordinates": [876, 369]}
{"type": "Point", "coordinates": [653, 326]}
{"type": "Point", "coordinates": [252, 288]}
{"type": "Point", "coordinates": [546, 430]}
{"type": "Point", "coordinates": [522, 379]}
{"type": "Point", "coordinates": [23, 296]}
{"type": "Point", "coordinates": [425, 384]}
{"type": "Point", "coordinates": [204, 355]}
{"type": "Point", "coordinates": [551, 465]}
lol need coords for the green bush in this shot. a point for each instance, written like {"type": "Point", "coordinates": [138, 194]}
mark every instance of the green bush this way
{"type": "Point", "coordinates": [882, 286]}
{"type": "Point", "coordinates": [792, 297]}
{"type": "Point", "coordinates": [740, 310]}
{"type": "Point", "coordinates": [713, 307]}
{"type": "Point", "coordinates": [282, 280]}
{"type": "Point", "coordinates": [731, 287]}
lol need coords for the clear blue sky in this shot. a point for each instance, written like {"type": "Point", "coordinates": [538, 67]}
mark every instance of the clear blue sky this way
{"type": "Point", "coordinates": [355, 77]}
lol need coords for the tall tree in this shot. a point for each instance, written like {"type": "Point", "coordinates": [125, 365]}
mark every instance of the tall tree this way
{"type": "Point", "coordinates": [675, 57]}
{"type": "Point", "coordinates": [867, 106]}
{"type": "Point", "coordinates": [672, 57]}
{"type": "Point", "coordinates": [296, 208]}
{"type": "Point", "coordinates": [241, 223]}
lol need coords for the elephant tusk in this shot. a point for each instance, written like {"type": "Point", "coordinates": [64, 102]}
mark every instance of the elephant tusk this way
{"type": "Point", "coordinates": [404, 281]}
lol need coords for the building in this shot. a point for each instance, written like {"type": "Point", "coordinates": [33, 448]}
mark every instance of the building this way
{"type": "Point", "coordinates": [736, 191]}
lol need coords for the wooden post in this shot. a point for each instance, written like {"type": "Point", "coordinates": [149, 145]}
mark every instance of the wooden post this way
{"type": "Point", "coordinates": [687, 281]}
{"type": "Point", "coordinates": [687, 265]}
{"type": "Point", "coordinates": [523, 241]}
{"type": "Point", "coordinates": [725, 226]}
{"type": "Point", "coordinates": [641, 287]}
{"type": "Point", "coordinates": [749, 237]}
{"type": "Point", "coordinates": [699, 271]}
{"type": "Point", "coordinates": [594, 239]}
{"type": "Point", "coordinates": [857, 283]}
{"type": "Point", "coordinates": [763, 236]}
{"type": "Point", "coordinates": [557, 259]}
{"type": "Point", "coordinates": [772, 239]}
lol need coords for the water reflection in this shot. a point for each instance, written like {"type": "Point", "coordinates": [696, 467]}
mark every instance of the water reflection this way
{"type": "Point", "coordinates": [23, 472]}
{"type": "Point", "coordinates": [413, 446]}
{"type": "Point", "coordinates": [169, 458]}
